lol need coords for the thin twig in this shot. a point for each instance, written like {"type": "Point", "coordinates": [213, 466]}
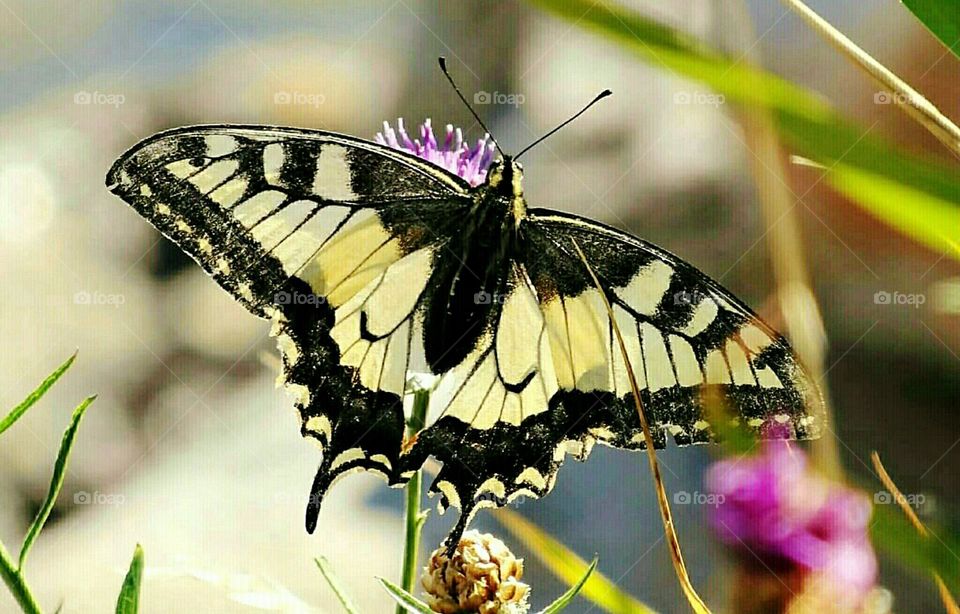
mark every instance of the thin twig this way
{"type": "Point", "coordinates": [918, 107]}
{"type": "Point", "coordinates": [665, 513]}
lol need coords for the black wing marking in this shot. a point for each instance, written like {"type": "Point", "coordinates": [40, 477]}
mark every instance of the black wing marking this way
{"type": "Point", "coordinates": [687, 339]}
{"type": "Point", "coordinates": [333, 238]}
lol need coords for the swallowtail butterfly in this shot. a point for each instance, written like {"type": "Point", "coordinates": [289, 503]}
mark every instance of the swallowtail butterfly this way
{"type": "Point", "coordinates": [373, 263]}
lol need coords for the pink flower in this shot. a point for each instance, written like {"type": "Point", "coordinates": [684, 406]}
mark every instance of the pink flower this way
{"type": "Point", "coordinates": [470, 163]}
{"type": "Point", "coordinates": [774, 508]}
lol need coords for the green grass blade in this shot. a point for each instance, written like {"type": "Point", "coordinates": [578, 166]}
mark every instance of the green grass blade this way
{"type": "Point", "coordinates": [35, 396]}
{"type": "Point", "coordinates": [404, 599]}
{"type": "Point", "coordinates": [59, 473]}
{"type": "Point", "coordinates": [942, 17]}
{"type": "Point", "coordinates": [569, 567]}
{"type": "Point", "coordinates": [919, 215]}
{"type": "Point", "coordinates": [676, 52]}
{"type": "Point", "coordinates": [807, 124]}
{"type": "Point", "coordinates": [129, 600]}
{"type": "Point", "coordinates": [335, 585]}
{"type": "Point", "coordinates": [564, 600]}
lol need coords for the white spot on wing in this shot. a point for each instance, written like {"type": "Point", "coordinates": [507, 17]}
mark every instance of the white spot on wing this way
{"type": "Point", "coordinates": [398, 291]}
{"type": "Point", "coordinates": [214, 174]}
{"type": "Point", "coordinates": [685, 361]}
{"type": "Point", "coordinates": [647, 288]}
{"type": "Point", "coordinates": [220, 145]}
{"type": "Point", "coordinates": [703, 315]}
{"type": "Point", "coordinates": [742, 374]}
{"type": "Point", "coordinates": [229, 193]}
{"type": "Point", "coordinates": [333, 180]}
{"type": "Point", "coordinates": [657, 361]}
{"type": "Point", "coordinates": [518, 334]}
{"type": "Point", "coordinates": [296, 249]}
{"type": "Point", "coordinates": [258, 206]}
{"type": "Point", "coordinates": [273, 157]}
{"type": "Point", "coordinates": [754, 338]}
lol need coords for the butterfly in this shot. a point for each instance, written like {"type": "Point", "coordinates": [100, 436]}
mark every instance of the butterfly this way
{"type": "Point", "coordinates": [373, 263]}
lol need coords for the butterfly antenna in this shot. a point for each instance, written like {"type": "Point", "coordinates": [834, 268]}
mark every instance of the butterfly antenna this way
{"type": "Point", "coordinates": [443, 67]}
{"type": "Point", "coordinates": [599, 97]}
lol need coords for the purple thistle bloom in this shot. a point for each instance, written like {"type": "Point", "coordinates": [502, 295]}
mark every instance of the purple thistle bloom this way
{"type": "Point", "coordinates": [470, 163]}
{"type": "Point", "coordinates": [774, 507]}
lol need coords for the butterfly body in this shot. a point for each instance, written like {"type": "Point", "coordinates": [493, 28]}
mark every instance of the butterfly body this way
{"type": "Point", "coordinates": [373, 263]}
{"type": "Point", "coordinates": [470, 271]}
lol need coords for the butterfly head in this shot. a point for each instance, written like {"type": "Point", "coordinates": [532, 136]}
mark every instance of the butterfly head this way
{"type": "Point", "coordinates": [505, 178]}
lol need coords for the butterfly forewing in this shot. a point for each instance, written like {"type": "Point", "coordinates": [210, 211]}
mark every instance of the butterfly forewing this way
{"type": "Point", "coordinates": [334, 239]}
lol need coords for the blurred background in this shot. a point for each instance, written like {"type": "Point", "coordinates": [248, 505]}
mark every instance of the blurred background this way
{"type": "Point", "coordinates": [192, 451]}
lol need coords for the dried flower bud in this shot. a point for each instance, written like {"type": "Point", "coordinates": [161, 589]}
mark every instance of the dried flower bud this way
{"type": "Point", "coordinates": [482, 577]}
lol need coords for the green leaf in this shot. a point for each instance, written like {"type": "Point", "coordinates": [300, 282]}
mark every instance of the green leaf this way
{"type": "Point", "coordinates": [942, 17]}
{"type": "Point", "coordinates": [807, 124]}
{"type": "Point", "coordinates": [129, 600]}
{"type": "Point", "coordinates": [569, 567]}
{"type": "Point", "coordinates": [564, 600]}
{"type": "Point", "coordinates": [917, 214]}
{"type": "Point", "coordinates": [334, 583]}
{"type": "Point", "coordinates": [676, 52]}
{"type": "Point", "coordinates": [893, 534]}
{"type": "Point", "coordinates": [404, 599]}
{"type": "Point", "coordinates": [59, 473]}
{"type": "Point", "coordinates": [35, 396]}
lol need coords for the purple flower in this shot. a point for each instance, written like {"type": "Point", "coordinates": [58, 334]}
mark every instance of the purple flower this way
{"type": "Point", "coordinates": [774, 508]}
{"type": "Point", "coordinates": [470, 163]}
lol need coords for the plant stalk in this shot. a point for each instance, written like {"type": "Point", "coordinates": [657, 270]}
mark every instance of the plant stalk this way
{"type": "Point", "coordinates": [15, 581]}
{"type": "Point", "coordinates": [414, 517]}
{"type": "Point", "coordinates": [778, 204]}
{"type": "Point", "coordinates": [918, 107]}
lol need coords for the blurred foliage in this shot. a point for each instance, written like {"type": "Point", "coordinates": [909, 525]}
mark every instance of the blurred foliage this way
{"type": "Point", "coordinates": [942, 17]}
{"type": "Point", "coordinates": [566, 565]}
{"type": "Point", "coordinates": [807, 123]}
{"type": "Point", "coordinates": [327, 571]}
{"type": "Point", "coordinates": [893, 534]}
{"type": "Point", "coordinates": [12, 573]}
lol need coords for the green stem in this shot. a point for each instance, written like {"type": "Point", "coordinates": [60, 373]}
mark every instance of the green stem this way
{"type": "Point", "coordinates": [17, 584]}
{"type": "Point", "coordinates": [414, 519]}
